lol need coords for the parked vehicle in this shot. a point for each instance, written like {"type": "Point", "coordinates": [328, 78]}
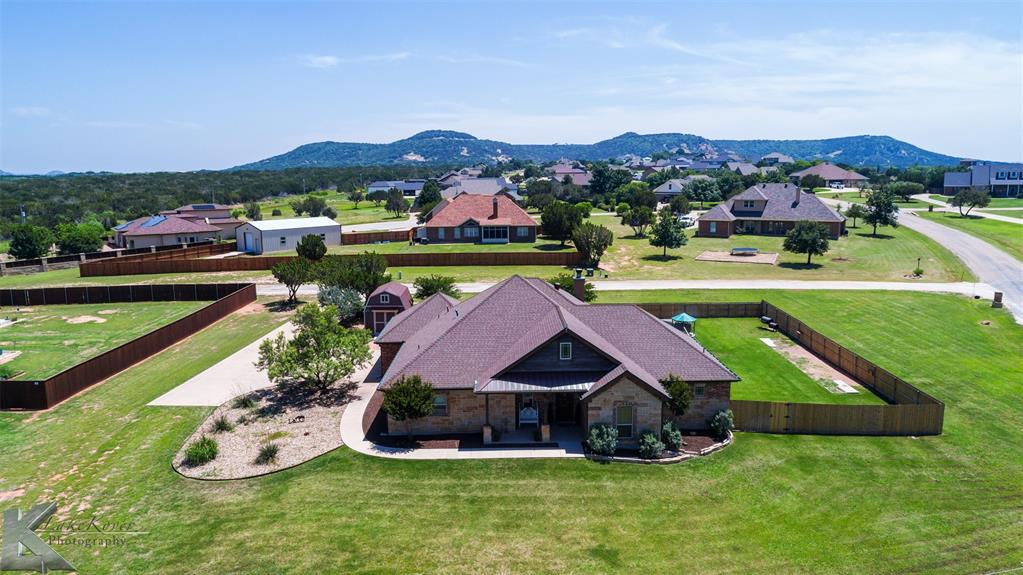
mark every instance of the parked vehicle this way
{"type": "Point", "coordinates": [687, 220]}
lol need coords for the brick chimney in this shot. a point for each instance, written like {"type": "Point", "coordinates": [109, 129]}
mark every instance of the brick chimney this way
{"type": "Point", "coordinates": [795, 201]}
{"type": "Point", "coordinates": [579, 285]}
{"type": "Point", "coordinates": [494, 215]}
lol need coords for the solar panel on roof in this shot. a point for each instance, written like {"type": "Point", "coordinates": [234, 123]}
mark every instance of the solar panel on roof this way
{"type": "Point", "coordinates": [203, 206]}
{"type": "Point", "coordinates": [122, 226]}
{"type": "Point", "coordinates": [154, 220]}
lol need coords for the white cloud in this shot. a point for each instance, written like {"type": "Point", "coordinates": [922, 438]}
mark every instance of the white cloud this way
{"type": "Point", "coordinates": [326, 61]}
{"type": "Point", "coordinates": [31, 111]}
{"type": "Point", "coordinates": [315, 61]}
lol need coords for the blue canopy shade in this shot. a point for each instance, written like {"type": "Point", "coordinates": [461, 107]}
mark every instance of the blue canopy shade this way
{"type": "Point", "coordinates": [683, 318]}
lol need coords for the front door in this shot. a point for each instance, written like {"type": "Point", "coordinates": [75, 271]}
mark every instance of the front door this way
{"type": "Point", "coordinates": [565, 408]}
{"type": "Point", "coordinates": [248, 242]}
{"type": "Point", "coordinates": [380, 319]}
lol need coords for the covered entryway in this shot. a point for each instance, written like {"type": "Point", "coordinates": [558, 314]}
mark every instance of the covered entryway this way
{"type": "Point", "coordinates": [495, 234]}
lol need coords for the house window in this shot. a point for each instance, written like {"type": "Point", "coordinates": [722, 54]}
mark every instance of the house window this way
{"type": "Point", "coordinates": [699, 390]}
{"type": "Point", "coordinates": [472, 232]}
{"type": "Point", "coordinates": [385, 298]}
{"type": "Point", "coordinates": [458, 233]}
{"type": "Point", "coordinates": [522, 232]}
{"type": "Point", "coordinates": [565, 350]}
{"type": "Point", "coordinates": [440, 405]}
{"type": "Point", "coordinates": [284, 240]}
{"type": "Point", "coordinates": [440, 233]}
{"type": "Point", "coordinates": [1000, 176]}
{"type": "Point", "coordinates": [713, 227]}
{"type": "Point", "coordinates": [623, 420]}
{"type": "Point", "coordinates": [748, 204]}
{"type": "Point", "coordinates": [323, 237]}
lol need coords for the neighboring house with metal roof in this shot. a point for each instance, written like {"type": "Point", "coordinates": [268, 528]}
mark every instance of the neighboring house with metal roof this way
{"type": "Point", "coordinates": [676, 186]}
{"type": "Point", "coordinates": [282, 235]}
{"type": "Point", "coordinates": [383, 304]}
{"type": "Point", "coordinates": [835, 176]}
{"type": "Point", "coordinates": [524, 354]}
{"type": "Point", "coordinates": [768, 209]}
{"type": "Point", "coordinates": [998, 180]}
{"type": "Point", "coordinates": [163, 230]}
{"type": "Point", "coordinates": [482, 186]}
{"type": "Point", "coordinates": [474, 218]}
{"type": "Point", "coordinates": [409, 188]}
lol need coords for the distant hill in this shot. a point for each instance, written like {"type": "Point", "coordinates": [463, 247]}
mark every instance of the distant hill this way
{"type": "Point", "coordinates": [458, 148]}
{"type": "Point", "coordinates": [3, 173]}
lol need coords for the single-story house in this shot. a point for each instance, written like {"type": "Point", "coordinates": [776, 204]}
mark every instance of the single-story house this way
{"type": "Point", "coordinates": [163, 230]}
{"type": "Point", "coordinates": [742, 168]}
{"type": "Point", "coordinates": [998, 180]}
{"type": "Point", "coordinates": [523, 354]}
{"type": "Point", "coordinates": [835, 176]}
{"type": "Point", "coordinates": [409, 188]}
{"type": "Point", "coordinates": [281, 235]}
{"type": "Point", "coordinates": [674, 187]}
{"type": "Point", "coordinates": [768, 209]}
{"type": "Point", "coordinates": [449, 178]}
{"type": "Point", "coordinates": [217, 215]}
{"type": "Point", "coordinates": [482, 186]}
{"type": "Point", "coordinates": [384, 303]}
{"type": "Point", "coordinates": [775, 158]}
{"type": "Point", "coordinates": [474, 218]}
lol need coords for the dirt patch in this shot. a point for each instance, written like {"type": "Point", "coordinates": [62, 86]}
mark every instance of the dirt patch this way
{"type": "Point", "coordinates": [303, 423]}
{"type": "Point", "coordinates": [8, 356]}
{"type": "Point", "coordinates": [85, 319]}
{"type": "Point", "coordinates": [12, 494]}
{"type": "Point", "coordinates": [841, 260]}
{"type": "Point", "coordinates": [761, 258]}
{"type": "Point", "coordinates": [251, 308]}
{"type": "Point", "coordinates": [107, 311]}
{"type": "Point", "coordinates": [816, 368]}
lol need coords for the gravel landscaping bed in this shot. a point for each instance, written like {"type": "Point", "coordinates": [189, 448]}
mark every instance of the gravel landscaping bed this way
{"type": "Point", "coordinates": [302, 422]}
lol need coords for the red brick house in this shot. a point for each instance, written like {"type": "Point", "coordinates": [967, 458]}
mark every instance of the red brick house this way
{"type": "Point", "coordinates": [768, 209]}
{"type": "Point", "coordinates": [384, 303]}
{"type": "Point", "coordinates": [835, 176]}
{"type": "Point", "coordinates": [474, 218]}
{"type": "Point", "coordinates": [524, 354]}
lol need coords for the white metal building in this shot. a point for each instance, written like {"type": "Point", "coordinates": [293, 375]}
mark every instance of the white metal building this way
{"type": "Point", "coordinates": [282, 235]}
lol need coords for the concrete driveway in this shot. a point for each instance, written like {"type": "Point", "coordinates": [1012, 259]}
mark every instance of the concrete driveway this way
{"type": "Point", "coordinates": [390, 225]}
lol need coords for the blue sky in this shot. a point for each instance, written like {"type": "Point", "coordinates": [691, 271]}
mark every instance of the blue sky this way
{"type": "Point", "coordinates": [142, 86]}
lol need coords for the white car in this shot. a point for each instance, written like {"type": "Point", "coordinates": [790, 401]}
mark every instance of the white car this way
{"type": "Point", "coordinates": [687, 220]}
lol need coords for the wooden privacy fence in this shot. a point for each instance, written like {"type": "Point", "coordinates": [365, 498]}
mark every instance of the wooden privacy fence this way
{"type": "Point", "coordinates": [255, 263]}
{"type": "Point", "coordinates": [32, 395]}
{"type": "Point", "coordinates": [910, 410]}
{"type": "Point", "coordinates": [116, 294]}
{"type": "Point", "coordinates": [374, 237]}
{"type": "Point", "coordinates": [73, 260]}
{"type": "Point", "coordinates": [97, 268]}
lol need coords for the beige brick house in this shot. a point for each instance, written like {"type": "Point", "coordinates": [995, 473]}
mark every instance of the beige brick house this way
{"type": "Point", "coordinates": [525, 355]}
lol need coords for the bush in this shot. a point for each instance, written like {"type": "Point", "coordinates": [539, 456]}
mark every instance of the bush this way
{"type": "Point", "coordinates": [602, 439]}
{"type": "Point", "coordinates": [244, 402]}
{"type": "Point", "coordinates": [672, 436]}
{"type": "Point", "coordinates": [6, 372]}
{"type": "Point", "coordinates": [329, 212]}
{"type": "Point", "coordinates": [584, 208]}
{"type": "Point", "coordinates": [267, 454]}
{"type": "Point", "coordinates": [918, 272]}
{"type": "Point", "coordinates": [621, 209]}
{"type": "Point", "coordinates": [426, 286]}
{"type": "Point", "coordinates": [348, 302]}
{"type": "Point", "coordinates": [721, 423]}
{"type": "Point", "coordinates": [311, 247]}
{"type": "Point", "coordinates": [221, 424]}
{"type": "Point", "coordinates": [201, 451]}
{"type": "Point", "coordinates": [650, 447]}
{"type": "Point", "coordinates": [276, 212]}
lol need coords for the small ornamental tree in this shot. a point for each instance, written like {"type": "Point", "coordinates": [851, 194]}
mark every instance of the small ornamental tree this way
{"type": "Point", "coordinates": [881, 210]}
{"type": "Point", "coordinates": [311, 247]}
{"type": "Point", "coordinates": [408, 399]}
{"type": "Point", "coordinates": [855, 212]}
{"type": "Point", "coordinates": [559, 219]}
{"type": "Point", "coordinates": [293, 273]}
{"type": "Point", "coordinates": [29, 242]}
{"type": "Point", "coordinates": [253, 211]}
{"type": "Point", "coordinates": [905, 190]}
{"type": "Point", "coordinates": [812, 181]}
{"type": "Point", "coordinates": [602, 439]}
{"type": "Point", "coordinates": [807, 237]}
{"type": "Point", "coordinates": [970, 198]}
{"type": "Point", "coordinates": [426, 286]}
{"type": "Point", "coordinates": [650, 446]}
{"type": "Point", "coordinates": [671, 436]}
{"type": "Point", "coordinates": [565, 282]}
{"type": "Point", "coordinates": [321, 352]}
{"type": "Point", "coordinates": [668, 232]}
{"type": "Point", "coordinates": [722, 423]}
{"type": "Point", "coordinates": [639, 219]}
{"type": "Point", "coordinates": [396, 202]}
{"type": "Point", "coordinates": [356, 196]}
{"type": "Point", "coordinates": [377, 197]}
{"type": "Point", "coordinates": [592, 241]}
{"type": "Point", "coordinates": [679, 391]}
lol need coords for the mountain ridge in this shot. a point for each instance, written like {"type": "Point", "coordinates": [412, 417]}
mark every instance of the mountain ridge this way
{"type": "Point", "coordinates": [450, 147]}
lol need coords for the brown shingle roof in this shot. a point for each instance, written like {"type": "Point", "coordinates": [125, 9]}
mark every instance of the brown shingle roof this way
{"type": "Point", "coordinates": [164, 224]}
{"type": "Point", "coordinates": [410, 321]}
{"type": "Point", "coordinates": [780, 206]}
{"type": "Point", "coordinates": [396, 289]}
{"type": "Point", "coordinates": [464, 207]}
{"type": "Point", "coordinates": [829, 172]}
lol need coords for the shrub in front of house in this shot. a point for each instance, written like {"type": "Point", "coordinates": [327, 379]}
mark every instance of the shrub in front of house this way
{"type": "Point", "coordinates": [201, 451]}
{"type": "Point", "coordinates": [222, 424]}
{"type": "Point", "coordinates": [246, 401]}
{"type": "Point", "coordinates": [650, 447]}
{"type": "Point", "coordinates": [721, 423]}
{"type": "Point", "coordinates": [671, 436]}
{"type": "Point", "coordinates": [602, 439]}
{"type": "Point", "coordinates": [275, 212]}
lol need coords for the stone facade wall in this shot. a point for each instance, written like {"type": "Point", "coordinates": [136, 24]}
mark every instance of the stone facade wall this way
{"type": "Point", "coordinates": [724, 229]}
{"type": "Point", "coordinates": [701, 410]}
{"type": "Point", "coordinates": [647, 413]}
{"type": "Point", "coordinates": [502, 412]}
{"type": "Point", "coordinates": [466, 414]}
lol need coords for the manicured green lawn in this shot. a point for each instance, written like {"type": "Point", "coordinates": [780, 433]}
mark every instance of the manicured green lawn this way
{"type": "Point", "coordinates": [995, 202]}
{"type": "Point", "coordinates": [858, 256]}
{"type": "Point", "coordinates": [766, 374]}
{"type": "Point", "coordinates": [541, 245]}
{"type": "Point", "coordinates": [1003, 235]}
{"type": "Point", "coordinates": [767, 504]}
{"type": "Point", "coordinates": [346, 212]}
{"type": "Point", "coordinates": [70, 276]}
{"type": "Point", "coordinates": [52, 338]}
{"type": "Point", "coordinates": [855, 197]}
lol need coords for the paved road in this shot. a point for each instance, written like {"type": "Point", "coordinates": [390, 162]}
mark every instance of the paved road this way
{"type": "Point", "coordinates": [391, 225]}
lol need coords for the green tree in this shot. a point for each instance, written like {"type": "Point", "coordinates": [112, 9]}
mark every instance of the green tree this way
{"type": "Point", "coordinates": [559, 219]}
{"type": "Point", "coordinates": [812, 181]}
{"type": "Point", "coordinates": [539, 202]}
{"type": "Point", "coordinates": [881, 210]}
{"type": "Point", "coordinates": [311, 247]}
{"type": "Point", "coordinates": [702, 190]}
{"type": "Point", "coordinates": [253, 211]}
{"type": "Point", "coordinates": [377, 197]}
{"type": "Point", "coordinates": [639, 219]}
{"type": "Point", "coordinates": [78, 238]}
{"type": "Point", "coordinates": [856, 212]}
{"type": "Point", "coordinates": [364, 272]}
{"type": "Point", "coordinates": [314, 206]}
{"type": "Point", "coordinates": [668, 232]}
{"type": "Point", "coordinates": [679, 391]}
{"type": "Point", "coordinates": [592, 241]}
{"type": "Point", "coordinates": [348, 302]}
{"type": "Point", "coordinates": [807, 237]}
{"type": "Point", "coordinates": [356, 196]}
{"type": "Point", "coordinates": [321, 352]}
{"type": "Point", "coordinates": [396, 202]}
{"type": "Point", "coordinates": [605, 180]}
{"type": "Point", "coordinates": [426, 286]}
{"type": "Point", "coordinates": [905, 190]}
{"type": "Point", "coordinates": [329, 212]}
{"type": "Point", "coordinates": [408, 399]}
{"type": "Point", "coordinates": [566, 282]}
{"type": "Point", "coordinates": [636, 194]}
{"type": "Point", "coordinates": [970, 198]}
{"type": "Point", "coordinates": [679, 204]}
{"type": "Point", "coordinates": [29, 242]}
{"type": "Point", "coordinates": [293, 273]}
